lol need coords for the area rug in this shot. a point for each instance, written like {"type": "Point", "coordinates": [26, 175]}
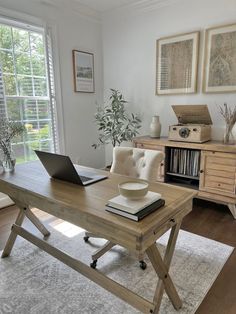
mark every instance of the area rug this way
{"type": "Point", "coordinates": [32, 282]}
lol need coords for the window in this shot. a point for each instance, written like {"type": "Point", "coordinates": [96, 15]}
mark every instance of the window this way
{"type": "Point", "coordinates": [27, 87]}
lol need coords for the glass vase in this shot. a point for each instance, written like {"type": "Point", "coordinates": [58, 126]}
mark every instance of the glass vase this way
{"type": "Point", "coordinates": [1, 167]}
{"type": "Point", "coordinates": [228, 136]}
{"type": "Point", "coordinates": [8, 160]}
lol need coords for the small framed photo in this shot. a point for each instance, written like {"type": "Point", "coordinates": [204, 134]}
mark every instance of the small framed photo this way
{"type": "Point", "coordinates": [220, 60]}
{"type": "Point", "coordinates": [177, 62]}
{"type": "Point", "coordinates": [83, 67]}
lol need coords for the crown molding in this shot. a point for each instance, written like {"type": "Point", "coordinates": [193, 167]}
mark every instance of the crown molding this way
{"type": "Point", "coordinates": [148, 5]}
{"type": "Point", "coordinates": [75, 7]}
{"type": "Point", "coordinates": [141, 6]}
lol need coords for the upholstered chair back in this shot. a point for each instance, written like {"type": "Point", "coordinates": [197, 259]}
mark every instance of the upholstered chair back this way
{"type": "Point", "coordinates": [136, 162]}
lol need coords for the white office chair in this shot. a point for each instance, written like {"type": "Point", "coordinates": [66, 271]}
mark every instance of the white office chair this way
{"type": "Point", "coordinates": [136, 163]}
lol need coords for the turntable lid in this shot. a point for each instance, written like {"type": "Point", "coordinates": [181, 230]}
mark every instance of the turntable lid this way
{"type": "Point", "coordinates": [189, 114]}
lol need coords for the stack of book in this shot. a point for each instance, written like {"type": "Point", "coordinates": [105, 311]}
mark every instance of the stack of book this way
{"type": "Point", "coordinates": [135, 209]}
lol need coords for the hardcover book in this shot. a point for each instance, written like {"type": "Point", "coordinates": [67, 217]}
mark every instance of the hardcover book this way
{"type": "Point", "coordinates": [133, 206]}
{"type": "Point", "coordinates": [139, 215]}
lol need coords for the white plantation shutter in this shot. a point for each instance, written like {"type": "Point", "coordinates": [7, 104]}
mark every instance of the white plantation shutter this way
{"type": "Point", "coordinates": [30, 96]}
{"type": "Point", "coordinates": [2, 96]}
{"type": "Point", "coordinates": [51, 85]}
{"type": "Point", "coordinates": [4, 199]}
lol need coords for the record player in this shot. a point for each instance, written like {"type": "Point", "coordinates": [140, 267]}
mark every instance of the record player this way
{"type": "Point", "coordinates": [194, 124]}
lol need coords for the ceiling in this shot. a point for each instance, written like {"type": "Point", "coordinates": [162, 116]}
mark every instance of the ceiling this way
{"type": "Point", "coordinates": [95, 9]}
{"type": "Point", "coordinates": [108, 5]}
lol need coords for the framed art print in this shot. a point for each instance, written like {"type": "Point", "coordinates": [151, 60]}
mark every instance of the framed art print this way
{"type": "Point", "coordinates": [220, 60]}
{"type": "Point", "coordinates": [83, 67]}
{"type": "Point", "coordinates": [177, 61]}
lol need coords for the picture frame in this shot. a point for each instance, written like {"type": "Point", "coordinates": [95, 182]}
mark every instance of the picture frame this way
{"type": "Point", "coordinates": [177, 64]}
{"type": "Point", "coordinates": [220, 59]}
{"type": "Point", "coordinates": [83, 70]}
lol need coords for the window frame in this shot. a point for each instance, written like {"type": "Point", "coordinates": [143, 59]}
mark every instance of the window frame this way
{"type": "Point", "coordinates": [28, 22]}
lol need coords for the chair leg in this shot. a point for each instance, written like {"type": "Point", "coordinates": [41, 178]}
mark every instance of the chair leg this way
{"type": "Point", "coordinates": [100, 252]}
{"type": "Point", "coordinates": [142, 263]}
{"type": "Point", "coordinates": [88, 235]}
{"type": "Point", "coordinates": [105, 248]}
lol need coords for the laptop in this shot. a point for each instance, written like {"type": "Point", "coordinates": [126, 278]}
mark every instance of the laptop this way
{"type": "Point", "coordinates": [61, 167]}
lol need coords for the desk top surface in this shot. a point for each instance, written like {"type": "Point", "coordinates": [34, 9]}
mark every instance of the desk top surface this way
{"type": "Point", "coordinates": [31, 183]}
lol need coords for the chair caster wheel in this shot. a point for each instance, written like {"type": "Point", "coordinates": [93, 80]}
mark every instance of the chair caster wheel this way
{"type": "Point", "coordinates": [86, 239]}
{"type": "Point", "coordinates": [142, 265]}
{"type": "Point", "coordinates": [94, 264]}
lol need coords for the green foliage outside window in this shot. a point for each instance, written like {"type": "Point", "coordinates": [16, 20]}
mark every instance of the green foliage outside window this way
{"type": "Point", "coordinates": [23, 63]}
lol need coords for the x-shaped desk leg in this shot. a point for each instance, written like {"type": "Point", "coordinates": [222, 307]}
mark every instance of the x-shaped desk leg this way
{"type": "Point", "coordinates": [24, 211]}
{"type": "Point", "coordinates": [161, 267]}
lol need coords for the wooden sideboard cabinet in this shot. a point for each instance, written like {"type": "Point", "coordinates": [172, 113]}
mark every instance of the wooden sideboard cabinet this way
{"type": "Point", "coordinates": [216, 176]}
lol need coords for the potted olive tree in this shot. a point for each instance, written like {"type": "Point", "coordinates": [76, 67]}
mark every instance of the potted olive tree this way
{"type": "Point", "coordinates": [115, 124]}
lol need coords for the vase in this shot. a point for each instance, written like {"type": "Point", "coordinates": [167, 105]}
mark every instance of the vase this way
{"type": "Point", "coordinates": [1, 167]}
{"type": "Point", "coordinates": [8, 160]}
{"type": "Point", "coordinates": [155, 127]}
{"type": "Point", "coordinates": [228, 135]}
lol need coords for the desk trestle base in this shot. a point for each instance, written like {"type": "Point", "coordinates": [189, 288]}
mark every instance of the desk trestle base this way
{"type": "Point", "coordinates": [161, 266]}
{"type": "Point", "coordinates": [24, 212]}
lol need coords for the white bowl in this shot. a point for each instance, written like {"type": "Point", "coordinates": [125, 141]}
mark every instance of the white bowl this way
{"type": "Point", "coordinates": [133, 189]}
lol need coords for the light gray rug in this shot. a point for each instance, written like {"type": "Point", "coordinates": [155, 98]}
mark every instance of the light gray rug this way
{"type": "Point", "coordinates": [33, 282]}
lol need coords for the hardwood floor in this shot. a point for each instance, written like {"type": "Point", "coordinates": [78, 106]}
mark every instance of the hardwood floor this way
{"type": "Point", "coordinates": [207, 219]}
{"type": "Point", "coordinates": [215, 222]}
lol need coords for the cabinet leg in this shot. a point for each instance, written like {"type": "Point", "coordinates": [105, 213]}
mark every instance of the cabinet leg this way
{"type": "Point", "coordinates": [232, 208]}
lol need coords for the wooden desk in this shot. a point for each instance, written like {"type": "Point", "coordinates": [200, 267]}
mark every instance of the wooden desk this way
{"type": "Point", "coordinates": [30, 186]}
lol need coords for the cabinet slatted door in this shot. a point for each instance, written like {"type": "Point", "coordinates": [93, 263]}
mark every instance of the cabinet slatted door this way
{"type": "Point", "coordinates": [161, 169]}
{"type": "Point", "coordinates": [218, 173]}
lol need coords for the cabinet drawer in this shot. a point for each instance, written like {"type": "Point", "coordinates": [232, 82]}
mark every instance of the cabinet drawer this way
{"type": "Point", "coordinates": [222, 160]}
{"type": "Point", "coordinates": [214, 183]}
{"type": "Point", "coordinates": [149, 146]}
{"type": "Point", "coordinates": [219, 180]}
{"type": "Point", "coordinates": [218, 173]}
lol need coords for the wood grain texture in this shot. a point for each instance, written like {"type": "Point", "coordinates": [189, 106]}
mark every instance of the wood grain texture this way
{"type": "Point", "coordinates": [225, 163]}
{"type": "Point", "coordinates": [207, 219]}
{"type": "Point", "coordinates": [214, 221]}
{"type": "Point", "coordinates": [217, 167]}
{"type": "Point", "coordinates": [167, 260]}
{"type": "Point", "coordinates": [30, 185]}
{"type": "Point", "coordinates": [217, 146]}
{"type": "Point", "coordinates": [194, 114]}
{"type": "Point", "coordinates": [85, 206]}
{"type": "Point", "coordinates": [162, 271]}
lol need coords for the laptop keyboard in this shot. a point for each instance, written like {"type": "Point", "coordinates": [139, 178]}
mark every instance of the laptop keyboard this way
{"type": "Point", "coordinates": [84, 179]}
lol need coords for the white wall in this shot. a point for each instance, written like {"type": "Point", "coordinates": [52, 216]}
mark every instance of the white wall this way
{"type": "Point", "coordinates": [73, 32]}
{"type": "Point", "coordinates": [129, 45]}
{"type": "Point", "coordinates": [129, 54]}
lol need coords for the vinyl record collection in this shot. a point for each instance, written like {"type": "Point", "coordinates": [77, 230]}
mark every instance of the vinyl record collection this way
{"type": "Point", "coordinates": [184, 161]}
